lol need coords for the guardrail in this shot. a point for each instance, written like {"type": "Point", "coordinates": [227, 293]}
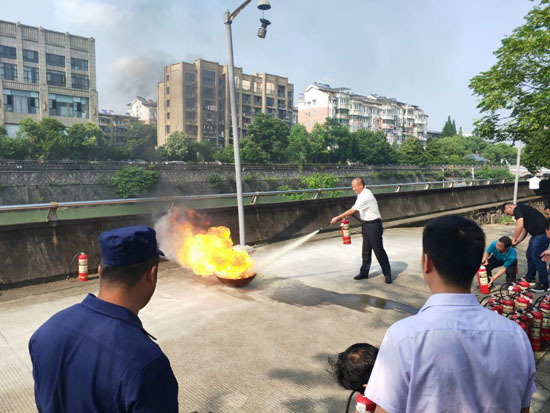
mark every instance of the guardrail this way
{"type": "Point", "coordinates": [255, 196]}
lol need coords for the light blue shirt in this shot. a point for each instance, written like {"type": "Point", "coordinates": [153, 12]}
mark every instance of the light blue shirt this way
{"type": "Point", "coordinates": [453, 356]}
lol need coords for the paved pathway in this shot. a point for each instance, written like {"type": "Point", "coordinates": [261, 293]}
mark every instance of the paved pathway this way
{"type": "Point", "coordinates": [259, 348]}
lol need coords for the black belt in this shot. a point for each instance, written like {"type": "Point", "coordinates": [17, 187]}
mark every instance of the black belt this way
{"type": "Point", "coordinates": [371, 221]}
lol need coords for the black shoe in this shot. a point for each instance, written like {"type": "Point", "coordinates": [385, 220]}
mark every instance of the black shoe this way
{"type": "Point", "coordinates": [387, 280]}
{"type": "Point", "coordinates": [361, 276]}
{"type": "Point", "coordinates": [540, 288]}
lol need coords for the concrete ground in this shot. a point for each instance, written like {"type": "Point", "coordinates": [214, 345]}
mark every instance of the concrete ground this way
{"type": "Point", "coordinates": [263, 347]}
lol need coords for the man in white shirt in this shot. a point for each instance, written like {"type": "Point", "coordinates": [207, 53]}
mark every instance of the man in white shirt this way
{"type": "Point", "coordinates": [443, 359]}
{"type": "Point", "coordinates": [371, 229]}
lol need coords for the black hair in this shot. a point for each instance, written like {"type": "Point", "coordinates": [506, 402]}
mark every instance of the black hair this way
{"type": "Point", "coordinates": [547, 206]}
{"type": "Point", "coordinates": [358, 178]}
{"type": "Point", "coordinates": [505, 204]}
{"type": "Point", "coordinates": [506, 241]}
{"type": "Point", "coordinates": [127, 275]}
{"type": "Point", "coordinates": [353, 367]}
{"type": "Point", "coordinates": [455, 246]}
{"type": "Point", "coordinates": [547, 224]}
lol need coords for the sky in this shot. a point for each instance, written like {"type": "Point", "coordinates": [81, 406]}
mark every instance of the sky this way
{"type": "Point", "coordinates": [422, 52]}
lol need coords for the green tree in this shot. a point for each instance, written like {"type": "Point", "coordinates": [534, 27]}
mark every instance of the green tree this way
{"type": "Point", "coordinates": [412, 152]}
{"type": "Point", "coordinates": [200, 151]}
{"type": "Point", "coordinates": [141, 140]}
{"type": "Point", "coordinates": [132, 181]}
{"type": "Point", "coordinates": [226, 155]}
{"type": "Point", "coordinates": [299, 145]}
{"type": "Point", "coordinates": [449, 129]}
{"type": "Point", "coordinates": [373, 148]}
{"type": "Point", "coordinates": [500, 152]}
{"type": "Point", "coordinates": [339, 141]}
{"type": "Point", "coordinates": [268, 136]}
{"type": "Point", "coordinates": [46, 139]}
{"type": "Point", "coordinates": [86, 141]}
{"type": "Point", "coordinates": [515, 92]}
{"type": "Point", "coordinates": [434, 152]}
{"type": "Point", "coordinates": [13, 148]}
{"type": "Point", "coordinates": [176, 148]}
{"type": "Point", "coordinates": [319, 144]}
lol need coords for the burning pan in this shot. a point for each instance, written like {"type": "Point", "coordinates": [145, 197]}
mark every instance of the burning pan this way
{"type": "Point", "coordinates": [236, 282]}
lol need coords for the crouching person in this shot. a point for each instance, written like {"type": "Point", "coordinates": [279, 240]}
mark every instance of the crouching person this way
{"type": "Point", "coordinates": [352, 370]}
{"type": "Point", "coordinates": [96, 356]}
{"type": "Point", "coordinates": [442, 358]}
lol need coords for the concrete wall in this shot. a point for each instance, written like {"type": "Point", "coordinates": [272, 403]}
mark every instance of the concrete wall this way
{"type": "Point", "coordinates": [42, 251]}
{"type": "Point", "coordinates": [27, 182]}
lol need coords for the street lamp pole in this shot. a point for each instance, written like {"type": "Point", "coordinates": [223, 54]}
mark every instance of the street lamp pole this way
{"type": "Point", "coordinates": [228, 19]}
{"type": "Point", "coordinates": [516, 181]}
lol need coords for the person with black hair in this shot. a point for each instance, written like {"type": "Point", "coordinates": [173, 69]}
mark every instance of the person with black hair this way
{"type": "Point", "coordinates": [371, 230]}
{"type": "Point", "coordinates": [443, 358]}
{"type": "Point", "coordinates": [529, 220]}
{"type": "Point", "coordinates": [353, 367]}
{"type": "Point", "coordinates": [500, 254]}
{"type": "Point", "coordinates": [96, 356]}
{"type": "Point", "coordinates": [546, 212]}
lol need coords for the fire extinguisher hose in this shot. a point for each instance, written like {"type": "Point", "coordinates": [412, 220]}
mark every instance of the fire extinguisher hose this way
{"type": "Point", "coordinates": [349, 401]}
{"type": "Point", "coordinates": [71, 265]}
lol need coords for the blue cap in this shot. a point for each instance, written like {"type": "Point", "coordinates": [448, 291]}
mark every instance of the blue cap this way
{"type": "Point", "coordinates": [128, 245]}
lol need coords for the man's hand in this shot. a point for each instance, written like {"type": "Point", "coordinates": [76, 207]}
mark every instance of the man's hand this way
{"type": "Point", "coordinates": [545, 256]}
{"type": "Point", "coordinates": [490, 285]}
{"type": "Point", "coordinates": [334, 220]}
{"type": "Point", "coordinates": [485, 262]}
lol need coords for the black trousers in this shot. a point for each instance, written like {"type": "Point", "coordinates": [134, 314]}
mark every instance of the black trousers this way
{"type": "Point", "coordinates": [372, 241]}
{"type": "Point", "coordinates": [510, 272]}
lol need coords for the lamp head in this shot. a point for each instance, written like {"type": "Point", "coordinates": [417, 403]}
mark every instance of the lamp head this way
{"type": "Point", "coordinates": [264, 5]}
{"type": "Point", "coordinates": [262, 31]}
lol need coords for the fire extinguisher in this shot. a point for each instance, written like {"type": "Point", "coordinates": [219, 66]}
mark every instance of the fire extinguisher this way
{"type": "Point", "coordinates": [82, 267]}
{"type": "Point", "coordinates": [344, 227]}
{"type": "Point", "coordinates": [364, 405]}
{"type": "Point", "coordinates": [483, 280]}
{"type": "Point", "coordinates": [535, 330]}
{"type": "Point", "coordinates": [508, 305]}
{"type": "Point", "coordinates": [545, 328]}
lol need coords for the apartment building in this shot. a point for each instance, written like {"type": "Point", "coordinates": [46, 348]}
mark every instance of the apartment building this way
{"type": "Point", "coordinates": [194, 98]}
{"type": "Point", "coordinates": [44, 73]}
{"type": "Point", "coordinates": [144, 109]}
{"type": "Point", "coordinates": [115, 126]}
{"type": "Point", "coordinates": [396, 119]}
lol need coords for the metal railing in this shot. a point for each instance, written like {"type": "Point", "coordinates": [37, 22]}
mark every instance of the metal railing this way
{"type": "Point", "coordinates": [52, 207]}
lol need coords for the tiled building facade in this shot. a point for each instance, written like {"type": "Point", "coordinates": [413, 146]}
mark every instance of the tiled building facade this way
{"type": "Point", "coordinates": [194, 98]}
{"type": "Point", "coordinates": [46, 74]}
{"type": "Point", "coordinates": [396, 119]}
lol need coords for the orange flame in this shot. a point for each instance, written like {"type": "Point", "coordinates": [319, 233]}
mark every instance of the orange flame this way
{"type": "Point", "coordinates": [207, 252]}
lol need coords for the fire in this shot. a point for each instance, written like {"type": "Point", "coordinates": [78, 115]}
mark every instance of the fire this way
{"type": "Point", "coordinates": [204, 251]}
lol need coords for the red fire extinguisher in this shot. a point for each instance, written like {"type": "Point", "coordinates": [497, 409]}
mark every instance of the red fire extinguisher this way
{"type": "Point", "coordinates": [483, 280]}
{"type": "Point", "coordinates": [344, 227]}
{"type": "Point", "coordinates": [535, 330]}
{"type": "Point", "coordinates": [364, 405]}
{"type": "Point", "coordinates": [545, 328]}
{"type": "Point", "coordinates": [82, 267]}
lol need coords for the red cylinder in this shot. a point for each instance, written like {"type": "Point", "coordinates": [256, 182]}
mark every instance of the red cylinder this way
{"type": "Point", "coordinates": [483, 280]}
{"type": "Point", "coordinates": [344, 226]}
{"type": "Point", "coordinates": [524, 285]}
{"type": "Point", "coordinates": [522, 302]}
{"type": "Point", "coordinates": [536, 324]}
{"type": "Point", "coordinates": [545, 327]}
{"type": "Point", "coordinates": [82, 267]}
{"type": "Point", "coordinates": [535, 343]}
{"type": "Point", "coordinates": [508, 306]}
{"type": "Point", "coordinates": [364, 405]}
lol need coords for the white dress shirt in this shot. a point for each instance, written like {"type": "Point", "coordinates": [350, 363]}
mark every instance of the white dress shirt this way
{"type": "Point", "coordinates": [367, 206]}
{"type": "Point", "coordinates": [453, 356]}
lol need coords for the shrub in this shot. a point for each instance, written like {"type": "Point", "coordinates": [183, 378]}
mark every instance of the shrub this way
{"type": "Point", "coordinates": [496, 174]}
{"type": "Point", "coordinates": [214, 180]}
{"type": "Point", "coordinates": [132, 181]}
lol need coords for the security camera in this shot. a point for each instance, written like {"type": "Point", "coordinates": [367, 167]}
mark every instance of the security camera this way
{"type": "Point", "coordinates": [262, 31]}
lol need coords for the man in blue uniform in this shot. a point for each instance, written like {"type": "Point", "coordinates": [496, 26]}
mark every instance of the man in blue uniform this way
{"type": "Point", "coordinates": [95, 356]}
{"type": "Point", "coordinates": [500, 254]}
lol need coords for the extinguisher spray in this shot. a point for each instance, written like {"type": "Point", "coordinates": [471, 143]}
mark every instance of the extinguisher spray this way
{"type": "Point", "coordinates": [82, 267]}
{"type": "Point", "coordinates": [344, 227]}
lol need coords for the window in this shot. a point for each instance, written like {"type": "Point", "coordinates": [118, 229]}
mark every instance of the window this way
{"type": "Point", "coordinates": [246, 85]}
{"type": "Point", "coordinates": [167, 115]}
{"type": "Point", "coordinates": [167, 77]}
{"type": "Point", "coordinates": [246, 99]}
{"type": "Point", "coordinates": [167, 90]}
{"type": "Point", "coordinates": [167, 103]}
{"type": "Point", "coordinates": [189, 91]}
{"type": "Point", "coordinates": [55, 60]}
{"type": "Point", "coordinates": [80, 81]}
{"type": "Point", "coordinates": [270, 102]}
{"type": "Point", "coordinates": [167, 129]}
{"type": "Point", "coordinates": [20, 101]}
{"type": "Point", "coordinates": [257, 87]}
{"type": "Point", "coordinates": [190, 77]}
{"type": "Point", "coordinates": [190, 103]}
{"type": "Point", "coordinates": [208, 93]}
{"type": "Point", "coordinates": [208, 77]}
{"type": "Point", "coordinates": [30, 56]}
{"type": "Point", "coordinates": [190, 116]}
{"type": "Point", "coordinates": [7, 52]}
{"type": "Point", "coordinates": [269, 88]}
{"type": "Point", "coordinates": [55, 78]}
{"type": "Point", "coordinates": [79, 64]}
{"type": "Point", "coordinates": [191, 129]}
{"type": "Point", "coordinates": [258, 100]}
{"type": "Point", "coordinates": [30, 74]}
{"type": "Point", "coordinates": [8, 71]}
{"type": "Point", "coordinates": [68, 106]}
